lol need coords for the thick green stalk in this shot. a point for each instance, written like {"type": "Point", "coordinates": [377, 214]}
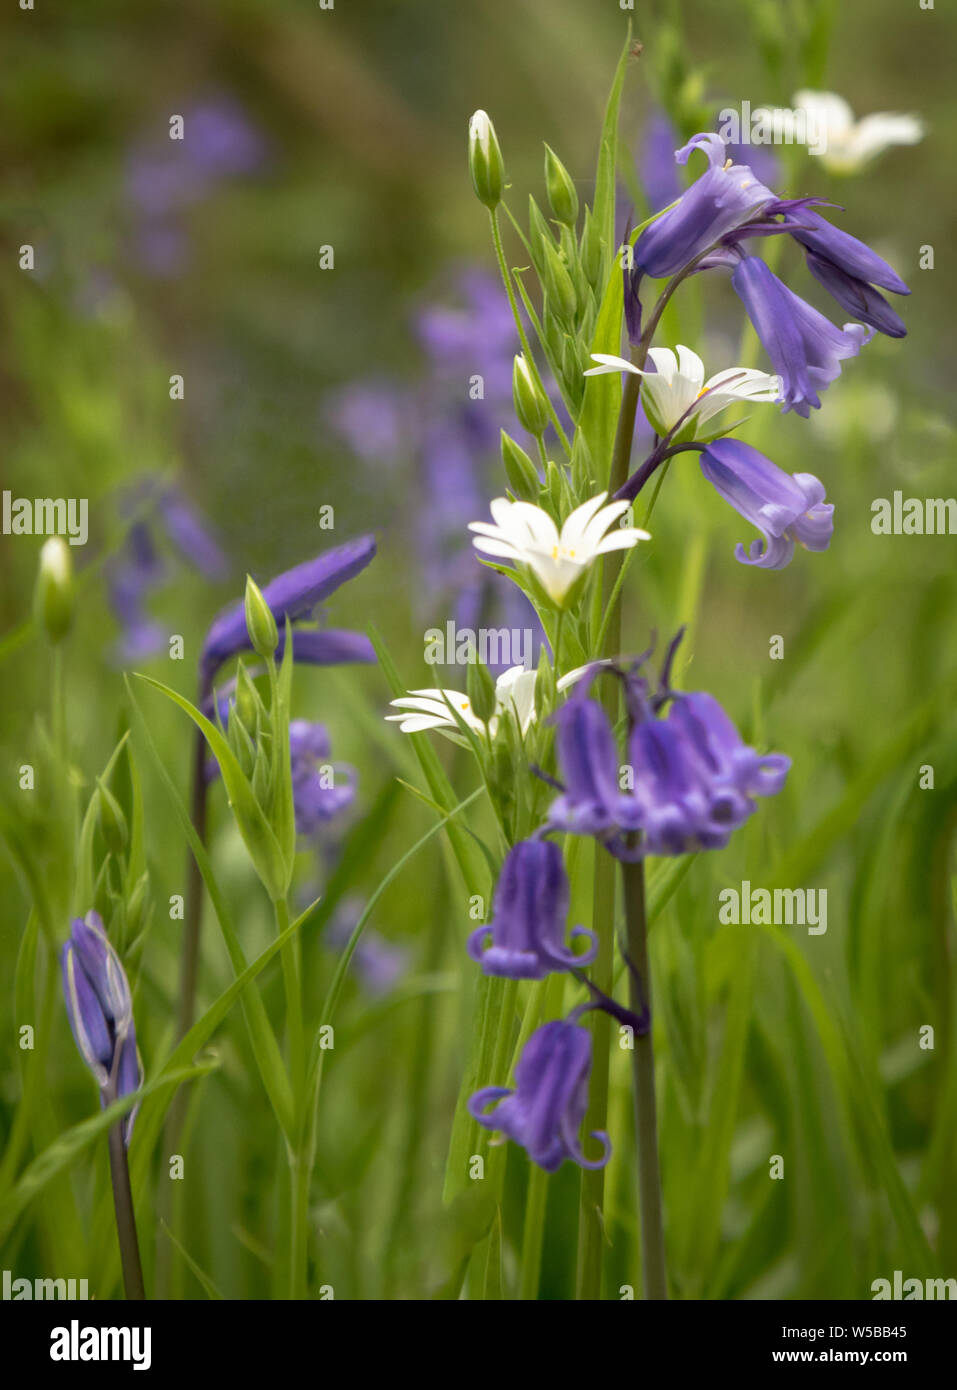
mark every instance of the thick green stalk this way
{"type": "Point", "coordinates": [125, 1217]}
{"type": "Point", "coordinates": [299, 1179]}
{"type": "Point", "coordinates": [654, 1277]}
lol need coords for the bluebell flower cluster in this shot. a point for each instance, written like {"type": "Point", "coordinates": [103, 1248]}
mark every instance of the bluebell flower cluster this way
{"type": "Point", "coordinates": [687, 783]}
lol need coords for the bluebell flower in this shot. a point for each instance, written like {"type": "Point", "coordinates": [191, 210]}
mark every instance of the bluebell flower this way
{"type": "Point", "coordinates": [292, 595]}
{"type": "Point", "coordinates": [695, 779]}
{"type": "Point", "coordinates": [691, 779]}
{"type": "Point", "coordinates": [720, 202]}
{"type": "Point", "coordinates": [805, 348]}
{"type": "Point", "coordinates": [545, 1111]}
{"type": "Point", "coordinates": [528, 917]}
{"type": "Point", "coordinates": [848, 269]}
{"type": "Point", "coordinates": [785, 508]}
{"type": "Point", "coordinates": [100, 1009]}
{"type": "Point", "coordinates": [591, 802]}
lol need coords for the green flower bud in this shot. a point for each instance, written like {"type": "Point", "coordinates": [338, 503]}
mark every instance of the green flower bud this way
{"type": "Point", "coordinates": [591, 250]}
{"type": "Point", "coordinates": [485, 161]}
{"type": "Point", "coordinates": [539, 236]}
{"type": "Point", "coordinates": [480, 689]}
{"type": "Point", "coordinates": [561, 189]}
{"type": "Point", "coordinates": [528, 398]}
{"type": "Point", "coordinates": [260, 623]}
{"type": "Point", "coordinates": [138, 903]}
{"type": "Point", "coordinates": [112, 821]}
{"type": "Point", "coordinates": [248, 706]}
{"type": "Point", "coordinates": [54, 597]}
{"type": "Point", "coordinates": [558, 284]}
{"type": "Point", "coordinates": [521, 473]}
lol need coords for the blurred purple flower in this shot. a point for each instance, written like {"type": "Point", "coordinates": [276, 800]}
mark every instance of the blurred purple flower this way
{"type": "Point", "coordinates": [545, 1111]}
{"type": "Point", "coordinates": [372, 418]}
{"type": "Point", "coordinates": [657, 171]}
{"type": "Point", "coordinates": [321, 790]}
{"type": "Point", "coordinates": [379, 964]}
{"type": "Point", "coordinates": [139, 570]}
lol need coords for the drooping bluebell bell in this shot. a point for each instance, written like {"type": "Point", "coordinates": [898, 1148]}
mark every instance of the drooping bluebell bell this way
{"type": "Point", "coordinates": [545, 1111]}
{"type": "Point", "coordinates": [785, 508]}
{"type": "Point", "coordinates": [293, 595]}
{"type": "Point", "coordinates": [695, 779]}
{"type": "Point", "coordinates": [528, 917]}
{"type": "Point", "coordinates": [721, 201]}
{"type": "Point", "coordinates": [591, 802]}
{"type": "Point", "coordinates": [848, 269]}
{"type": "Point", "coordinates": [100, 1009]}
{"type": "Point", "coordinates": [805, 348]}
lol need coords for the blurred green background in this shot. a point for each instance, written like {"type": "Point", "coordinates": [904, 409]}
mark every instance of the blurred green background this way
{"type": "Point", "coordinates": [350, 132]}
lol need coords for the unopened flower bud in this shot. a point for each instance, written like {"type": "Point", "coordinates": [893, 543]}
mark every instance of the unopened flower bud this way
{"type": "Point", "coordinates": [531, 406]}
{"type": "Point", "coordinates": [54, 596]}
{"type": "Point", "coordinates": [485, 161]}
{"type": "Point", "coordinates": [260, 623]}
{"type": "Point", "coordinates": [521, 473]}
{"type": "Point", "coordinates": [561, 190]}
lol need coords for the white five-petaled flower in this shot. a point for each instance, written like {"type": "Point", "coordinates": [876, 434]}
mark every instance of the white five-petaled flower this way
{"type": "Point", "coordinates": [677, 389]}
{"type": "Point", "coordinates": [843, 144]}
{"type": "Point", "coordinates": [526, 535]}
{"type": "Point", "coordinates": [442, 709]}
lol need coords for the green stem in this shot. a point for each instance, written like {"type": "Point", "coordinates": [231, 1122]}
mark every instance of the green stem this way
{"type": "Point", "coordinates": [533, 1236]}
{"type": "Point", "coordinates": [125, 1216]}
{"type": "Point", "coordinates": [291, 957]}
{"type": "Point", "coordinates": [590, 1216]}
{"type": "Point", "coordinates": [654, 1276]}
{"type": "Point", "coordinates": [523, 337]}
{"type": "Point", "coordinates": [299, 1176]}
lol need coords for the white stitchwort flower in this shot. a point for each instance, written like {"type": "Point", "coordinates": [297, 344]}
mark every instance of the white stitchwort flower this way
{"type": "Point", "coordinates": [442, 709]}
{"type": "Point", "coordinates": [845, 144]}
{"type": "Point", "coordinates": [677, 390]}
{"type": "Point", "coordinates": [526, 535]}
